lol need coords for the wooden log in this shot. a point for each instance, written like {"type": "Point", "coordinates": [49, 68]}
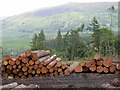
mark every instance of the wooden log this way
{"type": "Point", "coordinates": [29, 75]}
{"type": "Point", "coordinates": [64, 66]}
{"type": "Point", "coordinates": [51, 64]}
{"type": "Point", "coordinates": [82, 63]}
{"type": "Point", "coordinates": [43, 59]}
{"type": "Point", "coordinates": [22, 77]}
{"type": "Point", "coordinates": [17, 62]}
{"type": "Point", "coordinates": [19, 66]}
{"type": "Point", "coordinates": [25, 73]}
{"type": "Point", "coordinates": [39, 53]}
{"type": "Point", "coordinates": [37, 62]}
{"type": "Point", "coordinates": [107, 62]}
{"type": "Point", "coordinates": [8, 71]}
{"type": "Point", "coordinates": [11, 85]}
{"type": "Point", "coordinates": [20, 74]}
{"type": "Point", "coordinates": [115, 82]}
{"type": "Point", "coordinates": [73, 66]}
{"type": "Point", "coordinates": [59, 64]}
{"type": "Point", "coordinates": [87, 63]}
{"type": "Point", "coordinates": [85, 69]}
{"type": "Point", "coordinates": [31, 67]}
{"type": "Point", "coordinates": [93, 61]}
{"type": "Point", "coordinates": [100, 63]}
{"type": "Point", "coordinates": [19, 87]}
{"type": "Point", "coordinates": [51, 70]}
{"type": "Point", "coordinates": [5, 74]}
{"type": "Point", "coordinates": [118, 66]}
{"type": "Point", "coordinates": [23, 64]}
{"type": "Point", "coordinates": [24, 69]}
{"type": "Point", "coordinates": [106, 70]}
{"type": "Point", "coordinates": [28, 53]}
{"type": "Point", "coordinates": [32, 86]}
{"type": "Point", "coordinates": [25, 60]}
{"type": "Point", "coordinates": [36, 75]}
{"type": "Point", "coordinates": [9, 67]}
{"type": "Point", "coordinates": [46, 62]}
{"type": "Point", "coordinates": [29, 71]}
{"type": "Point", "coordinates": [61, 73]}
{"type": "Point", "coordinates": [31, 62]}
{"type": "Point", "coordinates": [40, 65]}
{"type": "Point", "coordinates": [66, 72]}
{"type": "Point", "coordinates": [51, 74]}
{"type": "Point", "coordinates": [5, 63]}
{"type": "Point", "coordinates": [99, 69]}
{"type": "Point", "coordinates": [55, 68]}
{"type": "Point", "coordinates": [14, 66]}
{"type": "Point", "coordinates": [59, 70]}
{"type": "Point", "coordinates": [38, 71]}
{"type": "Point", "coordinates": [33, 72]}
{"type": "Point", "coordinates": [16, 77]}
{"type": "Point", "coordinates": [112, 68]}
{"type": "Point", "coordinates": [16, 71]}
{"type": "Point", "coordinates": [92, 68]}
{"type": "Point", "coordinates": [55, 73]}
{"type": "Point", "coordinates": [78, 68]}
{"type": "Point", "coordinates": [7, 57]}
{"type": "Point", "coordinates": [97, 57]}
{"type": "Point", "coordinates": [117, 72]}
{"type": "Point", "coordinates": [11, 62]}
{"type": "Point", "coordinates": [27, 65]}
{"type": "Point", "coordinates": [44, 70]}
{"type": "Point", "coordinates": [35, 67]}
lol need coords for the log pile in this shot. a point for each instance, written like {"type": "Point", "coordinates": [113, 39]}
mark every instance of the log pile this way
{"type": "Point", "coordinates": [33, 63]}
{"type": "Point", "coordinates": [98, 65]}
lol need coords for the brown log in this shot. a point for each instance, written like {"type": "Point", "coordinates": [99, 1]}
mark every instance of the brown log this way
{"type": "Point", "coordinates": [20, 74]}
{"type": "Point", "coordinates": [22, 77]}
{"type": "Point", "coordinates": [64, 66]}
{"type": "Point", "coordinates": [27, 65]}
{"type": "Point", "coordinates": [55, 68]}
{"type": "Point", "coordinates": [97, 57]}
{"type": "Point", "coordinates": [32, 86]}
{"type": "Point", "coordinates": [17, 62]}
{"type": "Point", "coordinates": [8, 71]}
{"type": "Point", "coordinates": [20, 57]}
{"type": "Point", "coordinates": [66, 72]}
{"type": "Point", "coordinates": [37, 62]}
{"type": "Point", "coordinates": [16, 71]}
{"type": "Point", "coordinates": [51, 74]}
{"type": "Point", "coordinates": [93, 61]}
{"type": "Point", "coordinates": [78, 68]}
{"type": "Point", "coordinates": [31, 62]}
{"type": "Point", "coordinates": [28, 53]}
{"type": "Point", "coordinates": [118, 66]}
{"type": "Point", "coordinates": [59, 64]}
{"type": "Point", "coordinates": [20, 86]}
{"type": "Point", "coordinates": [40, 65]}
{"type": "Point", "coordinates": [43, 59]}
{"type": "Point", "coordinates": [33, 72]}
{"type": "Point", "coordinates": [29, 71]}
{"type": "Point", "coordinates": [25, 73]}
{"type": "Point", "coordinates": [117, 72]}
{"type": "Point", "coordinates": [11, 85]}
{"type": "Point", "coordinates": [100, 62]}
{"type": "Point", "coordinates": [112, 68]}
{"type": "Point", "coordinates": [25, 60]}
{"type": "Point", "coordinates": [39, 53]}
{"type": "Point", "coordinates": [24, 69]}
{"type": "Point", "coordinates": [51, 64]}
{"type": "Point", "coordinates": [92, 68]}
{"type": "Point", "coordinates": [107, 62]}
{"type": "Point", "coordinates": [51, 70]}
{"type": "Point", "coordinates": [36, 75]}
{"type": "Point", "coordinates": [19, 66]}
{"type": "Point", "coordinates": [38, 71]}
{"type": "Point", "coordinates": [11, 62]}
{"type": "Point", "coordinates": [87, 63]}
{"type": "Point", "coordinates": [9, 67]}
{"type": "Point", "coordinates": [115, 82]}
{"type": "Point", "coordinates": [30, 67]}
{"type": "Point", "coordinates": [7, 57]}
{"type": "Point", "coordinates": [5, 74]}
{"type": "Point", "coordinates": [99, 69]}
{"type": "Point", "coordinates": [46, 62]}
{"type": "Point", "coordinates": [106, 70]}
{"type": "Point", "coordinates": [61, 73]}
{"type": "Point", "coordinates": [5, 63]}
{"type": "Point", "coordinates": [29, 75]}
{"type": "Point", "coordinates": [55, 73]}
{"type": "Point", "coordinates": [14, 66]}
{"type": "Point", "coordinates": [73, 66]}
{"type": "Point", "coordinates": [85, 69]}
{"type": "Point", "coordinates": [41, 75]}
{"type": "Point", "coordinates": [44, 70]}
{"type": "Point", "coordinates": [35, 67]}
{"type": "Point", "coordinates": [82, 63]}
{"type": "Point", "coordinates": [59, 70]}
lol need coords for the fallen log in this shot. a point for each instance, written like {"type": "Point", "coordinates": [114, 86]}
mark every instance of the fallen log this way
{"type": "Point", "coordinates": [107, 62]}
{"type": "Point", "coordinates": [78, 68]}
{"type": "Point", "coordinates": [115, 82]}
{"type": "Point", "coordinates": [11, 85]}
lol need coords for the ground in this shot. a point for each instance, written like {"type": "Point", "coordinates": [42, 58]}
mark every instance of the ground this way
{"type": "Point", "coordinates": [75, 80]}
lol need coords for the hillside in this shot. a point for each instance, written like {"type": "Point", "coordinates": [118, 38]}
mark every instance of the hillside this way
{"type": "Point", "coordinates": [19, 29]}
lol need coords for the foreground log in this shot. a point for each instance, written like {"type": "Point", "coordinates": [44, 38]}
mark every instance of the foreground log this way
{"type": "Point", "coordinates": [32, 86]}
{"type": "Point", "coordinates": [78, 68]}
{"type": "Point", "coordinates": [107, 62]}
{"type": "Point", "coordinates": [11, 85]}
{"type": "Point", "coordinates": [72, 67]}
{"type": "Point", "coordinates": [20, 86]}
{"type": "Point", "coordinates": [115, 82]}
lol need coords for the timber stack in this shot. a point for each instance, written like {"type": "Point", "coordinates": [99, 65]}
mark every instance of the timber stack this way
{"type": "Point", "coordinates": [98, 65]}
{"type": "Point", "coordinates": [33, 63]}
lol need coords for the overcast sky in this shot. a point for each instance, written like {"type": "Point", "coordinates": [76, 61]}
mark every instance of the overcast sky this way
{"type": "Point", "coordinates": [15, 7]}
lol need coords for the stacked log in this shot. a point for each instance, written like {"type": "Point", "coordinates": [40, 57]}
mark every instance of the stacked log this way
{"type": "Point", "coordinates": [33, 63]}
{"type": "Point", "coordinates": [98, 65]}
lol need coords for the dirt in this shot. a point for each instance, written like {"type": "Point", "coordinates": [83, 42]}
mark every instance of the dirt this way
{"type": "Point", "coordinates": [76, 80]}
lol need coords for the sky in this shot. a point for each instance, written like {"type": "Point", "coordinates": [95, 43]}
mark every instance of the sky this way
{"type": "Point", "coordinates": [15, 7]}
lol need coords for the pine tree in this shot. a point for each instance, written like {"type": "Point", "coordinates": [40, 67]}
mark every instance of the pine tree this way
{"type": "Point", "coordinates": [59, 41]}
{"type": "Point", "coordinates": [34, 42]}
{"type": "Point", "coordinates": [41, 41]}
